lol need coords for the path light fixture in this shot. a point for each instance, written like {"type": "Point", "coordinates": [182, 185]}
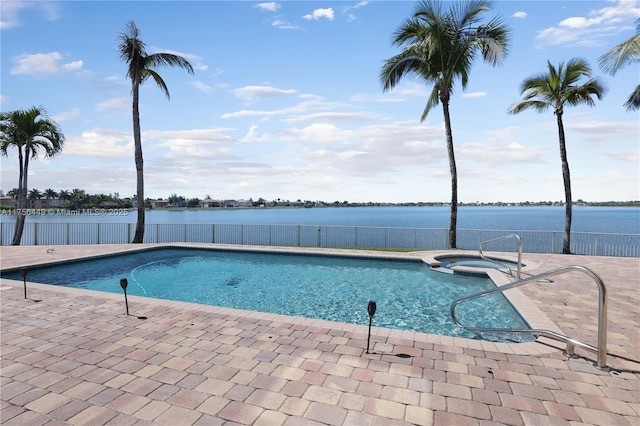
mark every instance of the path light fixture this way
{"type": "Point", "coordinates": [371, 309]}
{"type": "Point", "coordinates": [124, 283]}
{"type": "Point", "coordinates": [24, 272]}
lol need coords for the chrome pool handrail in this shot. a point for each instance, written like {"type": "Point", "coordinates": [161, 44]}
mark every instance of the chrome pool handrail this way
{"type": "Point", "coordinates": [601, 349]}
{"type": "Point", "coordinates": [504, 237]}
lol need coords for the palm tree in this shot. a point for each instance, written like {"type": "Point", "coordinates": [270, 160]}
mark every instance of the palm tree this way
{"type": "Point", "coordinates": [555, 89]}
{"type": "Point", "coordinates": [30, 132]}
{"type": "Point", "coordinates": [64, 195]}
{"type": "Point", "coordinates": [34, 196]}
{"type": "Point", "coordinates": [142, 66]}
{"type": "Point", "coordinates": [439, 47]}
{"type": "Point", "coordinates": [50, 193]}
{"type": "Point", "coordinates": [13, 193]}
{"type": "Point", "coordinates": [620, 56]}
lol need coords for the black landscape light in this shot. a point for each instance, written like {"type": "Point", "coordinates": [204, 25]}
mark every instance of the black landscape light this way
{"type": "Point", "coordinates": [24, 272]}
{"type": "Point", "coordinates": [371, 309]}
{"type": "Point", "coordinates": [124, 283]}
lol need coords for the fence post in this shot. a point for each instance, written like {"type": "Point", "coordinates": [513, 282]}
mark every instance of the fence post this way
{"type": "Point", "coordinates": [98, 236]}
{"type": "Point", "coordinates": [318, 242]}
{"type": "Point", "coordinates": [298, 236]}
{"type": "Point", "coordinates": [553, 242]}
{"type": "Point", "coordinates": [213, 233]}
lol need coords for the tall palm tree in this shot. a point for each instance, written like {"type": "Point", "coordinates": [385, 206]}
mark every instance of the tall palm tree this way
{"type": "Point", "coordinates": [439, 47]}
{"type": "Point", "coordinates": [555, 89]}
{"type": "Point", "coordinates": [30, 132]}
{"type": "Point", "coordinates": [142, 66]}
{"type": "Point", "coordinates": [620, 56]}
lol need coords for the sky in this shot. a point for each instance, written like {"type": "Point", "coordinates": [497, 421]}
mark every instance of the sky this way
{"type": "Point", "coordinates": [286, 103]}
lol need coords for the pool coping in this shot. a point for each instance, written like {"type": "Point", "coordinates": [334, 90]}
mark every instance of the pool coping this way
{"type": "Point", "coordinates": [534, 317]}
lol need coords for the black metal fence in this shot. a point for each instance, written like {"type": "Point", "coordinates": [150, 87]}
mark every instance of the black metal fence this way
{"type": "Point", "coordinates": [588, 243]}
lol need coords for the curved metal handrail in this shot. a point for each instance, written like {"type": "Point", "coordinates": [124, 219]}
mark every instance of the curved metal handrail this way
{"type": "Point", "coordinates": [601, 350]}
{"type": "Point", "coordinates": [504, 237]}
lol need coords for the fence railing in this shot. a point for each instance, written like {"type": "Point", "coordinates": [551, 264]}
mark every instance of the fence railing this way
{"type": "Point", "coordinates": [587, 243]}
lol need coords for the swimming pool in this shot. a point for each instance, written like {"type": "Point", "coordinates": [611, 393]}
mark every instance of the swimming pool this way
{"type": "Point", "coordinates": [409, 296]}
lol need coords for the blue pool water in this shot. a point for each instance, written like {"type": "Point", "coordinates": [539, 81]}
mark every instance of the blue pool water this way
{"type": "Point", "coordinates": [409, 296]}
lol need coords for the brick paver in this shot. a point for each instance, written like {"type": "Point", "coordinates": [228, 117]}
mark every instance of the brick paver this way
{"type": "Point", "coordinates": [76, 358]}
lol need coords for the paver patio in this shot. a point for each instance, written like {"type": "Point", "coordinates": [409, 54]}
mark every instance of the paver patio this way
{"type": "Point", "coordinates": [76, 358]}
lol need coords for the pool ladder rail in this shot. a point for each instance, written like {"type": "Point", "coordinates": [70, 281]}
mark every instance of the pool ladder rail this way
{"type": "Point", "coordinates": [601, 350]}
{"type": "Point", "coordinates": [501, 264]}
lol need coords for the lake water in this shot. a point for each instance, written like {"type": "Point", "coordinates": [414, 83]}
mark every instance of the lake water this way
{"type": "Point", "coordinates": [624, 220]}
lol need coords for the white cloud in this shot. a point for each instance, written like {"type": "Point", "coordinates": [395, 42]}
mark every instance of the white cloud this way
{"type": "Point", "coordinates": [252, 93]}
{"type": "Point", "coordinates": [9, 13]}
{"type": "Point", "coordinates": [68, 115]}
{"type": "Point", "coordinates": [350, 16]}
{"type": "Point", "coordinates": [319, 14]}
{"type": "Point", "coordinates": [588, 30]}
{"type": "Point", "coordinates": [203, 87]}
{"type": "Point", "coordinates": [500, 149]}
{"type": "Point", "coordinates": [520, 15]}
{"type": "Point", "coordinates": [284, 25]}
{"type": "Point", "coordinates": [115, 104]}
{"type": "Point", "coordinates": [250, 113]}
{"type": "Point", "coordinates": [42, 64]}
{"type": "Point", "coordinates": [356, 6]}
{"type": "Point", "coordinates": [271, 6]}
{"type": "Point", "coordinates": [474, 95]}
{"type": "Point", "coordinates": [601, 132]}
{"type": "Point", "coordinates": [625, 156]}
{"type": "Point", "coordinates": [101, 144]}
{"type": "Point", "coordinates": [330, 116]}
{"type": "Point", "coordinates": [10, 10]}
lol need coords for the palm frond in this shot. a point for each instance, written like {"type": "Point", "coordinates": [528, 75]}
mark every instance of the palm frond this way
{"type": "Point", "coordinates": [633, 103]}
{"type": "Point", "coordinates": [159, 81]}
{"type": "Point", "coordinates": [623, 54]}
{"type": "Point", "coordinates": [537, 105]}
{"type": "Point", "coordinates": [167, 60]}
{"type": "Point", "coordinates": [431, 102]}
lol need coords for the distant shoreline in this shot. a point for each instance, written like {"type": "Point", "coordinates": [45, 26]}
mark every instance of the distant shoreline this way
{"type": "Point", "coordinates": [10, 211]}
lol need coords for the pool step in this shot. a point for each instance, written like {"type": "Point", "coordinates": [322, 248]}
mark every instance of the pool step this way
{"type": "Point", "coordinates": [441, 269]}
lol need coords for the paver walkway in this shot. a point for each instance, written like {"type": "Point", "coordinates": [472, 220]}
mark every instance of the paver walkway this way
{"type": "Point", "coordinates": [76, 358]}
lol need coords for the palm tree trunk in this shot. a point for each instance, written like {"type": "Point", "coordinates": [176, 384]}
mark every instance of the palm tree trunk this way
{"type": "Point", "coordinates": [139, 234]}
{"type": "Point", "coordinates": [454, 174]}
{"type": "Point", "coordinates": [566, 241]}
{"type": "Point", "coordinates": [22, 195]}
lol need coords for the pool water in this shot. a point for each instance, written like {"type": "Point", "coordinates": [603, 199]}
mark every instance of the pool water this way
{"type": "Point", "coordinates": [409, 296]}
